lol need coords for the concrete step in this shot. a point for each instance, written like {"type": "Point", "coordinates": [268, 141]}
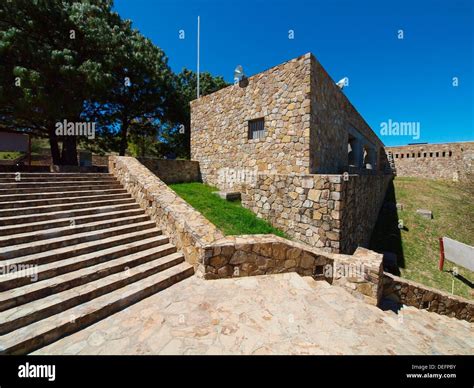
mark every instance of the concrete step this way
{"type": "Point", "coordinates": [53, 179]}
{"type": "Point", "coordinates": [56, 262]}
{"type": "Point", "coordinates": [54, 174]}
{"type": "Point", "coordinates": [35, 247]}
{"type": "Point", "coordinates": [61, 194]}
{"type": "Point", "coordinates": [57, 208]}
{"type": "Point", "coordinates": [44, 307]}
{"type": "Point", "coordinates": [55, 185]}
{"type": "Point", "coordinates": [48, 330]}
{"type": "Point", "coordinates": [58, 201]}
{"type": "Point", "coordinates": [57, 223]}
{"type": "Point", "coordinates": [23, 238]}
{"type": "Point", "coordinates": [54, 189]}
{"type": "Point", "coordinates": [49, 286]}
{"type": "Point", "coordinates": [71, 214]}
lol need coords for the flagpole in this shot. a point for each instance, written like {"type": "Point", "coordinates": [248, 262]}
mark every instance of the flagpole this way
{"type": "Point", "coordinates": [198, 33]}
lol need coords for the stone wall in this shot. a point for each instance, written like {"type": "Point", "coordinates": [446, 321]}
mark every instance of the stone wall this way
{"type": "Point", "coordinates": [215, 256]}
{"type": "Point", "coordinates": [219, 123]}
{"type": "Point", "coordinates": [185, 226]}
{"type": "Point", "coordinates": [362, 197]}
{"type": "Point", "coordinates": [414, 294]}
{"type": "Point", "coordinates": [306, 207]}
{"type": "Point", "coordinates": [333, 119]}
{"type": "Point", "coordinates": [323, 211]}
{"type": "Point", "coordinates": [236, 256]}
{"type": "Point", "coordinates": [434, 161]}
{"type": "Point", "coordinates": [173, 170]}
{"type": "Point", "coordinates": [308, 123]}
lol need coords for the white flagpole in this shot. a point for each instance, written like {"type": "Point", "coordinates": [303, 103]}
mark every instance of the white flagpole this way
{"type": "Point", "coordinates": [198, 32]}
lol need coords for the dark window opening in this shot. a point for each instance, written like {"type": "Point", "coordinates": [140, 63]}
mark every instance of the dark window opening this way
{"type": "Point", "coordinates": [257, 129]}
{"type": "Point", "coordinates": [352, 150]}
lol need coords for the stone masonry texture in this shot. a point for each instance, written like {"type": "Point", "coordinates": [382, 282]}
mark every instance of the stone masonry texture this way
{"type": "Point", "coordinates": [292, 176]}
{"type": "Point", "coordinates": [435, 161]}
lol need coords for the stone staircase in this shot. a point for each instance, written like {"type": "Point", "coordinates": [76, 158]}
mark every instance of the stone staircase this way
{"type": "Point", "coordinates": [74, 249]}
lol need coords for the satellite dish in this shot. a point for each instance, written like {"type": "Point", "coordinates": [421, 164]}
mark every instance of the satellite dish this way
{"type": "Point", "coordinates": [343, 82]}
{"type": "Point", "coordinates": [239, 73]}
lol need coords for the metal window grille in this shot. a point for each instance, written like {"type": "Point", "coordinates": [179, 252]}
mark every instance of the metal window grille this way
{"type": "Point", "coordinates": [257, 129]}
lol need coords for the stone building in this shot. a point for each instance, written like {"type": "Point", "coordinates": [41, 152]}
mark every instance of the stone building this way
{"type": "Point", "coordinates": [451, 161]}
{"type": "Point", "coordinates": [284, 138]}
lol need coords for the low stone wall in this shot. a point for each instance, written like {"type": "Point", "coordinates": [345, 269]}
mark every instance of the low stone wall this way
{"type": "Point", "coordinates": [324, 211]}
{"type": "Point", "coordinates": [173, 170]}
{"type": "Point", "coordinates": [185, 226]}
{"type": "Point", "coordinates": [215, 256]}
{"type": "Point", "coordinates": [236, 256]}
{"type": "Point", "coordinates": [415, 294]}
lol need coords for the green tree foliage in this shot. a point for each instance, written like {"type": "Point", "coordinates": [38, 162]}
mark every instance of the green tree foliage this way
{"type": "Point", "coordinates": [79, 61]}
{"type": "Point", "coordinates": [185, 89]}
{"type": "Point", "coordinates": [54, 56]}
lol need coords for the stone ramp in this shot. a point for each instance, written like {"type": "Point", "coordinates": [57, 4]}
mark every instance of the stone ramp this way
{"type": "Point", "coordinates": [74, 249]}
{"type": "Point", "coordinates": [271, 314]}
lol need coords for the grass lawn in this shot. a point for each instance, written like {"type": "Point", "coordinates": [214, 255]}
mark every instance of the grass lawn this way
{"type": "Point", "coordinates": [9, 155]}
{"type": "Point", "coordinates": [452, 205]}
{"type": "Point", "coordinates": [228, 216]}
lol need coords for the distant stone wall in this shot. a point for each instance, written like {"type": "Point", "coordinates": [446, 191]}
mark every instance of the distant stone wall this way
{"type": "Point", "coordinates": [323, 211]}
{"type": "Point", "coordinates": [173, 170]}
{"type": "Point", "coordinates": [434, 161]}
{"type": "Point", "coordinates": [415, 294]}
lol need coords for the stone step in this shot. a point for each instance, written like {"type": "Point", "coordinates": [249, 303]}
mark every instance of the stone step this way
{"type": "Point", "coordinates": [55, 174]}
{"type": "Point", "coordinates": [63, 200]}
{"type": "Point", "coordinates": [48, 330]}
{"type": "Point", "coordinates": [49, 286]}
{"type": "Point", "coordinates": [38, 309]}
{"type": "Point", "coordinates": [54, 179]}
{"type": "Point", "coordinates": [57, 223]}
{"type": "Point", "coordinates": [57, 208]}
{"type": "Point", "coordinates": [60, 261]}
{"type": "Point", "coordinates": [35, 247]}
{"type": "Point", "coordinates": [61, 194]}
{"type": "Point", "coordinates": [54, 189]}
{"type": "Point", "coordinates": [55, 185]}
{"type": "Point", "coordinates": [52, 233]}
{"type": "Point", "coordinates": [16, 220]}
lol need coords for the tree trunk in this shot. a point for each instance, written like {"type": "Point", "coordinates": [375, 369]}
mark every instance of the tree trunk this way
{"type": "Point", "coordinates": [69, 152]}
{"type": "Point", "coordinates": [53, 143]}
{"type": "Point", "coordinates": [123, 138]}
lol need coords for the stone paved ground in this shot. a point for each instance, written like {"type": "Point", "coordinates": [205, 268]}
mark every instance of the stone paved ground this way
{"type": "Point", "coordinates": [276, 314]}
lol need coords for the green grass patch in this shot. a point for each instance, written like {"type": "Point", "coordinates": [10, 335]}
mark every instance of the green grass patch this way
{"type": "Point", "coordinates": [228, 216]}
{"type": "Point", "coordinates": [9, 155]}
{"type": "Point", "coordinates": [417, 245]}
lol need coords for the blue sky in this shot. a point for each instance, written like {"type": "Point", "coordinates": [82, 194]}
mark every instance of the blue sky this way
{"type": "Point", "coordinates": [403, 80]}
